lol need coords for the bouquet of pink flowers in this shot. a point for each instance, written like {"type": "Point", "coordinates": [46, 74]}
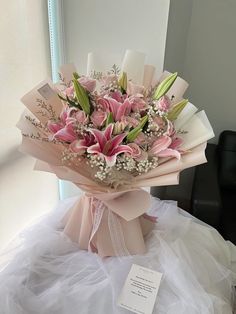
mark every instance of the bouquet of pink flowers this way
{"type": "Point", "coordinates": [122, 131]}
{"type": "Point", "coordinates": [112, 136]}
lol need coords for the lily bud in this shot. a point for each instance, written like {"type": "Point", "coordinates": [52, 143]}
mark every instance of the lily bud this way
{"type": "Point", "coordinates": [81, 96]}
{"type": "Point", "coordinates": [164, 86]}
{"type": "Point", "coordinates": [176, 110]}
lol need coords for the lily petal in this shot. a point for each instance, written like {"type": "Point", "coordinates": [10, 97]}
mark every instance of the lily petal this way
{"type": "Point", "coordinates": [124, 109]}
{"type": "Point", "coordinates": [160, 144]}
{"type": "Point", "coordinates": [108, 131]}
{"type": "Point", "coordinates": [122, 149]}
{"type": "Point", "coordinates": [110, 160]}
{"type": "Point", "coordinates": [176, 143]}
{"type": "Point", "coordinates": [114, 106]}
{"type": "Point", "coordinates": [169, 153]}
{"type": "Point", "coordinates": [99, 136]}
{"type": "Point", "coordinates": [66, 134]}
{"type": "Point", "coordinates": [54, 127]}
{"type": "Point", "coordinates": [78, 146]}
{"type": "Point", "coordinates": [94, 149]}
{"type": "Point", "coordinates": [117, 140]}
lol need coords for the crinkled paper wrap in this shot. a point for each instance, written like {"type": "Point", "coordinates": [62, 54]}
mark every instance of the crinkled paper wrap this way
{"type": "Point", "coordinates": [106, 221]}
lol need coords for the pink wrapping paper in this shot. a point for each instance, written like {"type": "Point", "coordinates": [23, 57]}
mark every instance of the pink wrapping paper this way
{"type": "Point", "coordinates": [118, 216]}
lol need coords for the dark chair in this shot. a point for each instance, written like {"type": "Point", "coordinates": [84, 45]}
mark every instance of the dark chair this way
{"type": "Point", "coordinates": [214, 187]}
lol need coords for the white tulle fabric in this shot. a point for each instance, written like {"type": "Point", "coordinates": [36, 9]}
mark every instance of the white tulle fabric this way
{"type": "Point", "coordinates": [43, 272]}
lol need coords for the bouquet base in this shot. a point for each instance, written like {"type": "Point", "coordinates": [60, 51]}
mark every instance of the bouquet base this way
{"type": "Point", "coordinates": [96, 228]}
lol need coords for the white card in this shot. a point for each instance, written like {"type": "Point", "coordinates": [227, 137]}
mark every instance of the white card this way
{"type": "Point", "coordinates": [140, 290]}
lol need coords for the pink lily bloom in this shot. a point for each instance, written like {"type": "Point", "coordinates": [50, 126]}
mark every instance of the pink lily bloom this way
{"type": "Point", "coordinates": [160, 148]}
{"type": "Point", "coordinates": [117, 96]}
{"type": "Point", "coordinates": [65, 118]}
{"type": "Point", "coordinates": [118, 109]}
{"type": "Point", "coordinates": [108, 147]}
{"type": "Point", "coordinates": [66, 134]}
{"type": "Point", "coordinates": [137, 103]}
{"type": "Point", "coordinates": [98, 118]}
{"type": "Point", "coordinates": [103, 105]}
{"type": "Point", "coordinates": [169, 152]}
{"type": "Point", "coordinates": [88, 83]}
{"type": "Point", "coordinates": [176, 143]}
{"type": "Point", "coordinates": [81, 117]}
{"type": "Point", "coordinates": [81, 146]}
{"type": "Point", "coordinates": [54, 127]}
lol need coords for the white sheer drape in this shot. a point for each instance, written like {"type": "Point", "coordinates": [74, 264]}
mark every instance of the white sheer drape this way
{"type": "Point", "coordinates": [24, 61]}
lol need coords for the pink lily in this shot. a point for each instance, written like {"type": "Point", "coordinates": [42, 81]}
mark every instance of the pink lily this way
{"type": "Point", "coordinates": [54, 127]}
{"type": "Point", "coordinates": [81, 117]}
{"type": "Point", "coordinates": [98, 118]}
{"type": "Point", "coordinates": [137, 103]}
{"type": "Point", "coordinates": [118, 109]}
{"type": "Point", "coordinates": [176, 143]}
{"type": "Point", "coordinates": [160, 144]}
{"type": "Point", "coordinates": [88, 83]}
{"type": "Point", "coordinates": [170, 129]}
{"type": "Point", "coordinates": [161, 148]}
{"type": "Point", "coordinates": [108, 147]}
{"type": "Point", "coordinates": [117, 96]}
{"type": "Point", "coordinates": [65, 118]}
{"type": "Point", "coordinates": [168, 152]}
{"type": "Point", "coordinates": [80, 146]}
{"type": "Point", "coordinates": [66, 134]}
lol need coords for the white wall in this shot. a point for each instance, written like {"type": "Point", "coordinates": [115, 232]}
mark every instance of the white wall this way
{"type": "Point", "coordinates": [24, 61]}
{"type": "Point", "coordinates": [112, 26]}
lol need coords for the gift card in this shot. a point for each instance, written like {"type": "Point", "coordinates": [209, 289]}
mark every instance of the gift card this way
{"type": "Point", "coordinates": [140, 290]}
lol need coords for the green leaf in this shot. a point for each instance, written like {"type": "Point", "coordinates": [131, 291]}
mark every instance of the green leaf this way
{"type": "Point", "coordinates": [62, 98]}
{"type": "Point", "coordinates": [72, 103]}
{"type": "Point", "coordinates": [81, 96]}
{"type": "Point", "coordinates": [143, 121]}
{"type": "Point", "coordinates": [176, 110]}
{"type": "Point", "coordinates": [123, 81]}
{"type": "Point", "coordinates": [135, 132]}
{"type": "Point", "coordinates": [109, 119]}
{"type": "Point", "coordinates": [164, 86]}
